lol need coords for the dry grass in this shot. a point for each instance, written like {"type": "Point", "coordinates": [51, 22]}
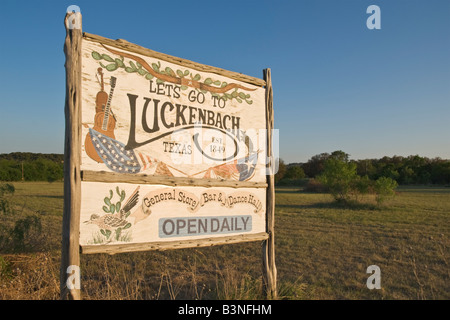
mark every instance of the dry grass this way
{"type": "Point", "coordinates": [333, 245]}
{"type": "Point", "coordinates": [322, 252]}
{"type": "Point", "coordinates": [29, 277]}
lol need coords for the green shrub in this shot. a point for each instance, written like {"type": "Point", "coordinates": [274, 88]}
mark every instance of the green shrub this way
{"type": "Point", "coordinates": [343, 182]}
{"type": "Point", "coordinates": [384, 188]}
{"type": "Point", "coordinates": [340, 177]}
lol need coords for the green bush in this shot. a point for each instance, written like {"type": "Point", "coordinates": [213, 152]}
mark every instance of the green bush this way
{"type": "Point", "coordinates": [384, 188]}
{"type": "Point", "coordinates": [340, 178]}
{"type": "Point", "coordinates": [342, 181]}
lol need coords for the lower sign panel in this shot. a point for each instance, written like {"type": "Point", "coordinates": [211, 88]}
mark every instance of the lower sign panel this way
{"type": "Point", "coordinates": [122, 213]}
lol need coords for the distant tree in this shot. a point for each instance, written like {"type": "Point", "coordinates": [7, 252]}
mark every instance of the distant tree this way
{"type": "Point", "coordinates": [294, 172]}
{"type": "Point", "coordinates": [315, 165]}
{"type": "Point", "coordinates": [340, 155]}
{"type": "Point", "coordinates": [390, 172]}
{"type": "Point", "coordinates": [365, 168]}
{"type": "Point", "coordinates": [440, 171]}
{"type": "Point", "coordinates": [407, 175]}
{"type": "Point", "coordinates": [35, 167]}
{"type": "Point", "coordinates": [281, 171]}
{"type": "Point", "coordinates": [10, 170]}
{"type": "Point", "coordinates": [54, 171]}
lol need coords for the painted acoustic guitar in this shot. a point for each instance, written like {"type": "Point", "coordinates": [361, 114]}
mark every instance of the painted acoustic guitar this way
{"type": "Point", "coordinates": [102, 97]}
{"type": "Point", "coordinates": [103, 123]}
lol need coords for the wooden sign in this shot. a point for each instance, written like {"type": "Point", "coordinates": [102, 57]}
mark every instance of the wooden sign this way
{"type": "Point", "coordinates": [148, 116]}
{"type": "Point", "coordinates": [162, 152]}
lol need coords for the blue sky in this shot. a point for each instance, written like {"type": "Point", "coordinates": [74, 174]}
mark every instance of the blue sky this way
{"type": "Point", "coordinates": [337, 84]}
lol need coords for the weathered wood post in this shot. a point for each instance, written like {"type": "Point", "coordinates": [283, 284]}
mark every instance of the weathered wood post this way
{"type": "Point", "coordinates": [268, 248]}
{"type": "Point", "coordinates": [70, 253]}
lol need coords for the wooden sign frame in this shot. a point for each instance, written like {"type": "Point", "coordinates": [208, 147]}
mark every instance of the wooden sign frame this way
{"type": "Point", "coordinates": [73, 175]}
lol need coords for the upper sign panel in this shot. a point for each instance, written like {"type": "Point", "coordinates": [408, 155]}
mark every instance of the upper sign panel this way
{"type": "Point", "coordinates": [143, 115]}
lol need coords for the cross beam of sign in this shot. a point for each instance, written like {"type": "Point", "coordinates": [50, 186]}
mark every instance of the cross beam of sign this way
{"type": "Point", "coordinates": [176, 80]}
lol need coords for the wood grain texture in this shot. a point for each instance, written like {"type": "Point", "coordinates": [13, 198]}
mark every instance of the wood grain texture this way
{"type": "Point", "coordinates": [125, 45]}
{"type": "Point", "coordinates": [268, 248]}
{"type": "Point", "coordinates": [170, 245]}
{"type": "Point", "coordinates": [104, 176]}
{"type": "Point", "coordinates": [70, 253]}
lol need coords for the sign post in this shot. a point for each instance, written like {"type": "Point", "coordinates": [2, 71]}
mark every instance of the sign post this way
{"type": "Point", "coordinates": [163, 153]}
{"type": "Point", "coordinates": [268, 248]}
{"type": "Point", "coordinates": [70, 254]}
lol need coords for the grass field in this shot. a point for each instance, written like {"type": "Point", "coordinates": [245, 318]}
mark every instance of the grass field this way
{"type": "Point", "coordinates": [322, 252]}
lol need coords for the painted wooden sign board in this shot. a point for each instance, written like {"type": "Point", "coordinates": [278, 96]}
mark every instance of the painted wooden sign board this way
{"type": "Point", "coordinates": [162, 153]}
{"type": "Point", "coordinates": [196, 137]}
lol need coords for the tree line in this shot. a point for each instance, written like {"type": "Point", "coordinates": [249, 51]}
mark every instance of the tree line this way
{"type": "Point", "coordinates": [413, 169]}
{"type": "Point", "coordinates": [27, 166]}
